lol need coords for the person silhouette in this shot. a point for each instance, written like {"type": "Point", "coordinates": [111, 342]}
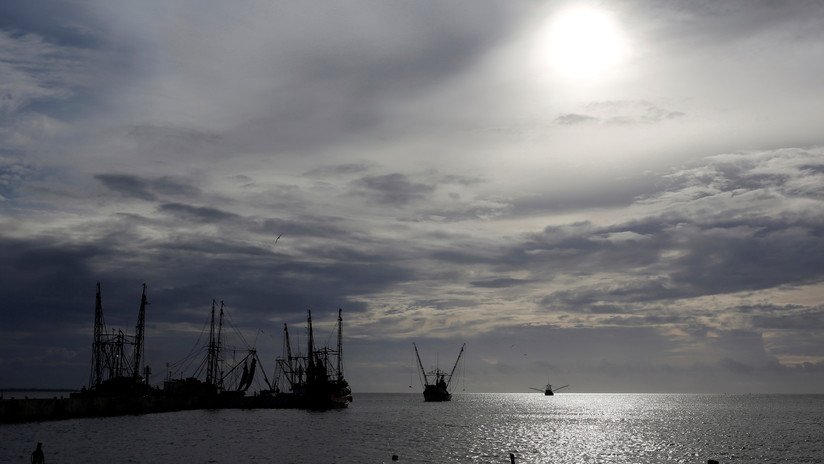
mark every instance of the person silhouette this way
{"type": "Point", "coordinates": [37, 455]}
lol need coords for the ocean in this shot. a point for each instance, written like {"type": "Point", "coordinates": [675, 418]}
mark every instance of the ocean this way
{"type": "Point", "coordinates": [472, 428]}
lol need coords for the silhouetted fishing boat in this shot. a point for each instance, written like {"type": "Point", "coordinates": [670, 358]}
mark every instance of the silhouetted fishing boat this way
{"type": "Point", "coordinates": [548, 389]}
{"type": "Point", "coordinates": [436, 382]}
{"type": "Point", "coordinates": [119, 380]}
{"type": "Point", "coordinates": [314, 380]}
{"type": "Point", "coordinates": [217, 382]}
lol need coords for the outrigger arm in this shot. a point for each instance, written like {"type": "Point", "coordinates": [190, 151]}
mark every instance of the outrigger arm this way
{"type": "Point", "coordinates": [420, 364]}
{"type": "Point", "coordinates": [453, 367]}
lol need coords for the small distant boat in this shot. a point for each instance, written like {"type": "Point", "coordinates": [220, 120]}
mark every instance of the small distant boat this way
{"type": "Point", "coordinates": [548, 391]}
{"type": "Point", "coordinates": [436, 382]}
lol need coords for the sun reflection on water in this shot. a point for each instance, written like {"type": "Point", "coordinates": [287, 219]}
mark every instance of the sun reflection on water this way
{"type": "Point", "coordinates": [472, 428]}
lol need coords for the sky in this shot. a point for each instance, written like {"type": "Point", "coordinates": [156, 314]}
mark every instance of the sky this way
{"type": "Point", "coordinates": [623, 196]}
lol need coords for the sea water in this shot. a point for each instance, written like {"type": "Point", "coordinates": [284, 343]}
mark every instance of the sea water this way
{"type": "Point", "coordinates": [472, 428]}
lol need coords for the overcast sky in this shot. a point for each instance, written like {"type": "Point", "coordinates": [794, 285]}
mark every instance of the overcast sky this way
{"type": "Point", "coordinates": [619, 195]}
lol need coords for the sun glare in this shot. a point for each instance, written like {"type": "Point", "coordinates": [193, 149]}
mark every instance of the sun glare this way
{"type": "Point", "coordinates": [582, 43]}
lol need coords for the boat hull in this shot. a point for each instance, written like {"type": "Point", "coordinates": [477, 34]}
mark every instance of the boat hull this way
{"type": "Point", "coordinates": [432, 393]}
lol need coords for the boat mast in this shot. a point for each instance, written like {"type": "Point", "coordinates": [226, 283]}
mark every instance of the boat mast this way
{"type": "Point", "coordinates": [311, 348]}
{"type": "Point", "coordinates": [456, 364]}
{"type": "Point", "coordinates": [210, 356]}
{"type": "Point", "coordinates": [138, 337]}
{"type": "Point", "coordinates": [218, 373]}
{"type": "Point", "coordinates": [97, 345]}
{"type": "Point", "coordinates": [310, 354]}
{"type": "Point", "coordinates": [420, 364]}
{"type": "Point", "coordinates": [120, 354]}
{"type": "Point", "coordinates": [287, 348]}
{"type": "Point", "coordinates": [287, 345]}
{"type": "Point", "coordinates": [340, 345]}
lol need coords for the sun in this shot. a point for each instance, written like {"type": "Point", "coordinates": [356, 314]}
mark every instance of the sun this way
{"type": "Point", "coordinates": [582, 43]}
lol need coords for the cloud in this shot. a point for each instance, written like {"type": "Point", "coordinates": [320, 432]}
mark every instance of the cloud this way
{"type": "Point", "coordinates": [32, 69]}
{"type": "Point", "coordinates": [619, 112]}
{"type": "Point", "coordinates": [142, 188]}
{"type": "Point", "coordinates": [393, 189]}
{"type": "Point", "coordinates": [13, 174]}
{"type": "Point", "coordinates": [127, 185]}
{"type": "Point", "coordinates": [197, 213]}
{"type": "Point", "coordinates": [338, 170]}
{"type": "Point", "coordinates": [571, 119]}
{"type": "Point", "coordinates": [502, 282]}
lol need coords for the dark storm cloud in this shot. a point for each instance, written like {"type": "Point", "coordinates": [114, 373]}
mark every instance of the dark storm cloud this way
{"type": "Point", "coordinates": [127, 185]}
{"type": "Point", "coordinates": [502, 282]}
{"type": "Point", "coordinates": [392, 189]}
{"type": "Point", "coordinates": [794, 317]}
{"type": "Point", "coordinates": [734, 236]}
{"type": "Point", "coordinates": [714, 260]}
{"type": "Point", "coordinates": [304, 226]}
{"type": "Point", "coordinates": [174, 187]}
{"type": "Point", "coordinates": [263, 286]}
{"type": "Point", "coordinates": [208, 246]}
{"type": "Point", "coordinates": [726, 259]}
{"type": "Point", "coordinates": [585, 248]}
{"type": "Point", "coordinates": [813, 168]}
{"type": "Point", "coordinates": [197, 213]}
{"type": "Point", "coordinates": [52, 292]}
{"type": "Point", "coordinates": [628, 294]}
{"type": "Point", "coordinates": [43, 279]}
{"type": "Point", "coordinates": [465, 256]}
{"type": "Point", "coordinates": [143, 188]}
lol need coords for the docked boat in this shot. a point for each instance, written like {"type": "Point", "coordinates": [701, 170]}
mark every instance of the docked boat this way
{"type": "Point", "coordinates": [216, 382]}
{"type": "Point", "coordinates": [313, 380]}
{"type": "Point", "coordinates": [119, 379]}
{"type": "Point", "coordinates": [436, 382]}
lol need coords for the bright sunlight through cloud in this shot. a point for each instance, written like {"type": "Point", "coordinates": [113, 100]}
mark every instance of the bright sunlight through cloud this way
{"type": "Point", "coordinates": [582, 43]}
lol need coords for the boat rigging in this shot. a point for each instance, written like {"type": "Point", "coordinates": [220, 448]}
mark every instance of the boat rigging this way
{"type": "Point", "coordinates": [436, 382]}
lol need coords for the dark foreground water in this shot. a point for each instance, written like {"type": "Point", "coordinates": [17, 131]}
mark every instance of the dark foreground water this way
{"type": "Point", "coordinates": [473, 428]}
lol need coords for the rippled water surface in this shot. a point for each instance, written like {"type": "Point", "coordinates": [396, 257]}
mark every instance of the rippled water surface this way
{"type": "Point", "coordinates": [472, 428]}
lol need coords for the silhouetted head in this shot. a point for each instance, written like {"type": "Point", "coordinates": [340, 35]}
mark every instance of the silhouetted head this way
{"type": "Point", "coordinates": [39, 445]}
